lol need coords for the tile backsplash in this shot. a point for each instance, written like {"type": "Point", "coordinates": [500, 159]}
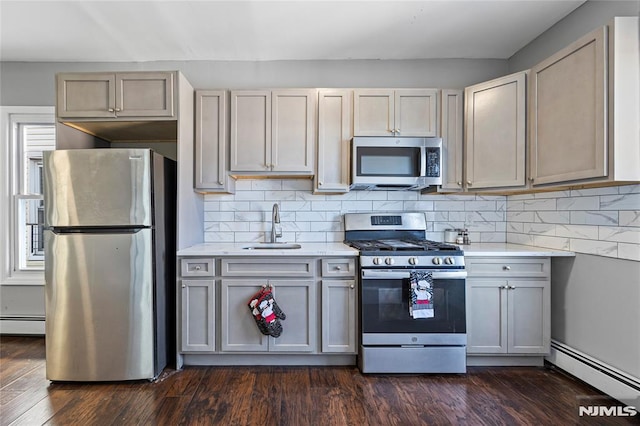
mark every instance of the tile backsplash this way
{"type": "Point", "coordinates": [306, 217]}
{"type": "Point", "coordinates": [601, 221]}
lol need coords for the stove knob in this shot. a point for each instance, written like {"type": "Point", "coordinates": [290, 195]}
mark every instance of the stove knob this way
{"type": "Point", "coordinates": [413, 261]}
{"type": "Point", "coordinates": [377, 261]}
{"type": "Point", "coordinates": [389, 261]}
{"type": "Point", "coordinates": [436, 261]}
{"type": "Point", "coordinates": [449, 260]}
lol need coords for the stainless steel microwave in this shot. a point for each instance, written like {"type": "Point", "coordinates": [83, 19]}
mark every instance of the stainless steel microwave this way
{"type": "Point", "coordinates": [395, 163]}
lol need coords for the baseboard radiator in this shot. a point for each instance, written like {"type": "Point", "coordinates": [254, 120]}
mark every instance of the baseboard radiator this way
{"type": "Point", "coordinates": [609, 380]}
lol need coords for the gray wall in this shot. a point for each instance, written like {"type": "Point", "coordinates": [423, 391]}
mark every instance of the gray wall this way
{"type": "Point", "coordinates": [586, 18]}
{"type": "Point", "coordinates": [32, 83]}
{"type": "Point", "coordinates": [595, 305]}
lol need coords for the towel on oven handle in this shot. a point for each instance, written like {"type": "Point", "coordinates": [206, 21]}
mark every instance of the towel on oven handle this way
{"type": "Point", "coordinates": [421, 293]}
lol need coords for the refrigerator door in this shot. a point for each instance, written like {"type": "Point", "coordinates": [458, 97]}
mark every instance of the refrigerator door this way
{"type": "Point", "coordinates": [100, 306]}
{"type": "Point", "coordinates": [98, 188]}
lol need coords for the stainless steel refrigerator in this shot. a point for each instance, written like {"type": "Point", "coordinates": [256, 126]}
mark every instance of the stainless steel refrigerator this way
{"type": "Point", "coordinates": [109, 263]}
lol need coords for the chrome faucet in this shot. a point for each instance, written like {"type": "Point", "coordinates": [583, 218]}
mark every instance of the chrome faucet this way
{"type": "Point", "coordinates": [275, 220]}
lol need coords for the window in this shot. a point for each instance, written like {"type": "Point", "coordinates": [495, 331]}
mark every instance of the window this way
{"type": "Point", "coordinates": [28, 132]}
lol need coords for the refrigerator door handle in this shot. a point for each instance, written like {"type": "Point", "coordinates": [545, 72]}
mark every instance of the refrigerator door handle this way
{"type": "Point", "coordinates": [114, 230]}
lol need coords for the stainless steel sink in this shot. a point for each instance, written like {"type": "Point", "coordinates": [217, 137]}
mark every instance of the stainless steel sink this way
{"type": "Point", "coordinates": [273, 246]}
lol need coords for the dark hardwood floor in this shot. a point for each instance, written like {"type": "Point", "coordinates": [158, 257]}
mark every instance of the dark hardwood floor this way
{"type": "Point", "coordinates": [292, 396]}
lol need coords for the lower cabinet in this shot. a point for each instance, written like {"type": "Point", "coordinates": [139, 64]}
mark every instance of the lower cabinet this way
{"type": "Point", "coordinates": [338, 316]}
{"type": "Point", "coordinates": [508, 306]}
{"type": "Point", "coordinates": [239, 331]}
{"type": "Point", "coordinates": [317, 295]}
{"type": "Point", "coordinates": [197, 315]}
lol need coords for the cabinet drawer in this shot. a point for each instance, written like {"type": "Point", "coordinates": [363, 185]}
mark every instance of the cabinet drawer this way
{"type": "Point", "coordinates": [508, 267]}
{"type": "Point", "coordinates": [338, 267]}
{"type": "Point", "coordinates": [268, 267]}
{"type": "Point", "coordinates": [197, 268]}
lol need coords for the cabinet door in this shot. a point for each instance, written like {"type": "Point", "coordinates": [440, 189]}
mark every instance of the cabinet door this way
{"type": "Point", "coordinates": [293, 115]}
{"type": "Point", "coordinates": [452, 142]}
{"type": "Point", "coordinates": [198, 316]}
{"type": "Point", "coordinates": [486, 309]}
{"type": "Point", "coordinates": [81, 95]}
{"type": "Point", "coordinates": [568, 114]}
{"type": "Point", "coordinates": [334, 135]}
{"type": "Point", "coordinates": [529, 317]}
{"type": "Point", "coordinates": [250, 131]}
{"type": "Point", "coordinates": [416, 112]}
{"type": "Point", "coordinates": [211, 140]}
{"type": "Point", "coordinates": [297, 299]}
{"type": "Point", "coordinates": [238, 329]}
{"type": "Point", "coordinates": [373, 112]}
{"type": "Point", "coordinates": [145, 94]}
{"type": "Point", "coordinates": [495, 133]}
{"type": "Point", "coordinates": [338, 316]}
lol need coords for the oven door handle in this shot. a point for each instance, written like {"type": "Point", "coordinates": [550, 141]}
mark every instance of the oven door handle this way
{"type": "Point", "coordinates": [386, 274]}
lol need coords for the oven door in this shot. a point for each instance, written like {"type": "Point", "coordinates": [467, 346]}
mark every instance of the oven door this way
{"type": "Point", "coordinates": [384, 309]}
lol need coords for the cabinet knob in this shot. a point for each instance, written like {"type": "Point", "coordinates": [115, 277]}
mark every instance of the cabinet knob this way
{"type": "Point", "coordinates": [339, 268]}
{"type": "Point", "coordinates": [504, 287]}
{"type": "Point", "coordinates": [110, 110]}
{"type": "Point", "coordinates": [352, 286]}
{"type": "Point", "coordinates": [118, 110]}
{"type": "Point", "coordinates": [512, 287]}
{"type": "Point", "coordinates": [220, 182]}
{"type": "Point", "coordinates": [197, 268]}
{"type": "Point", "coordinates": [469, 183]}
{"type": "Point", "coordinates": [530, 179]}
{"type": "Point", "coordinates": [506, 268]}
{"type": "Point", "coordinates": [320, 183]}
{"type": "Point", "coordinates": [184, 286]}
{"type": "Point", "coordinates": [397, 130]}
{"type": "Point", "coordinates": [459, 183]}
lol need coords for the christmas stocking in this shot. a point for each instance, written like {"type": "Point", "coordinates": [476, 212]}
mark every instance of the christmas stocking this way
{"type": "Point", "coordinates": [271, 313]}
{"type": "Point", "coordinates": [253, 307]}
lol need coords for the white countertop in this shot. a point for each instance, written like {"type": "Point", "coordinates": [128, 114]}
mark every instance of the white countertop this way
{"type": "Point", "coordinates": [339, 249]}
{"type": "Point", "coordinates": [238, 249]}
{"type": "Point", "coordinates": [507, 249]}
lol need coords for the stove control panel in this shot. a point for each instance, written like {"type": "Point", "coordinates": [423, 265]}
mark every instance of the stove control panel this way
{"type": "Point", "coordinates": [415, 262]}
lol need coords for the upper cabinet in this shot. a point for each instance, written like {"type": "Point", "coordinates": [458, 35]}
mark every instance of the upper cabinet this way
{"type": "Point", "coordinates": [273, 131]}
{"type": "Point", "coordinates": [211, 142]}
{"type": "Point", "coordinates": [387, 112]}
{"type": "Point", "coordinates": [127, 95]}
{"type": "Point", "coordinates": [495, 135]}
{"type": "Point", "coordinates": [451, 132]}
{"type": "Point", "coordinates": [335, 124]}
{"type": "Point", "coordinates": [584, 109]}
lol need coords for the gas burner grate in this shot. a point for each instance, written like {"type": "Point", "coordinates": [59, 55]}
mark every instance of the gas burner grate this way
{"type": "Point", "coordinates": [401, 245]}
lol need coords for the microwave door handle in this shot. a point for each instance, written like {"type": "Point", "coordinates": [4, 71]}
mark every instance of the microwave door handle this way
{"type": "Point", "coordinates": [423, 161]}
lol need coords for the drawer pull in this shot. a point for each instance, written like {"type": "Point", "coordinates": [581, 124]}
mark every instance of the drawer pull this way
{"type": "Point", "coordinates": [338, 268]}
{"type": "Point", "coordinates": [197, 268]}
{"type": "Point", "coordinates": [506, 268]}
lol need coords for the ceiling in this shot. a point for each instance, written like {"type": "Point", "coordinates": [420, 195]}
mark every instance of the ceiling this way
{"type": "Point", "coordinates": [140, 31]}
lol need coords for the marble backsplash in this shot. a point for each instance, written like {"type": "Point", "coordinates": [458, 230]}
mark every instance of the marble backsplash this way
{"type": "Point", "coordinates": [601, 221]}
{"type": "Point", "coordinates": [306, 217]}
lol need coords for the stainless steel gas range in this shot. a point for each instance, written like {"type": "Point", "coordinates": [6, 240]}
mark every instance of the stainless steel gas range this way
{"type": "Point", "coordinates": [411, 297]}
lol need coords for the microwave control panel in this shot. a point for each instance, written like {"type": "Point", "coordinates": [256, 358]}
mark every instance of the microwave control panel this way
{"type": "Point", "coordinates": [433, 162]}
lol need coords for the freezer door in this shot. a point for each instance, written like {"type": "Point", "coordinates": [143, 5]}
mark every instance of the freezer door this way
{"type": "Point", "coordinates": [97, 187]}
{"type": "Point", "coordinates": [99, 306]}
